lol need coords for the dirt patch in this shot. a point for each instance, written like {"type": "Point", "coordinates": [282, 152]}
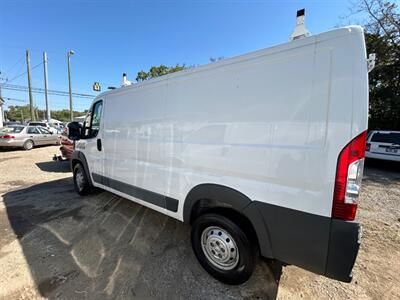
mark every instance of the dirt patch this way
{"type": "Point", "coordinates": [9, 158]}
{"type": "Point", "coordinates": [15, 182]}
{"type": "Point", "coordinates": [55, 244]}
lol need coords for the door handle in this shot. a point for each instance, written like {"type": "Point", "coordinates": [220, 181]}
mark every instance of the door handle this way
{"type": "Point", "coordinates": [99, 144]}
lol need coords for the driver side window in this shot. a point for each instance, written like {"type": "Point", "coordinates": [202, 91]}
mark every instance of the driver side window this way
{"type": "Point", "coordinates": [92, 121]}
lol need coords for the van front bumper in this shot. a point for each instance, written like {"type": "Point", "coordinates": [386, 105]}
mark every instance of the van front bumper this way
{"type": "Point", "coordinates": [316, 243]}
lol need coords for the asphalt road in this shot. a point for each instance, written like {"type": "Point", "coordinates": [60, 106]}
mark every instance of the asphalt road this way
{"type": "Point", "coordinates": [56, 244]}
{"type": "Point", "coordinates": [104, 246]}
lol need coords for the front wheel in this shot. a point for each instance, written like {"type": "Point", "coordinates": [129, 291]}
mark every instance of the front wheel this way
{"type": "Point", "coordinates": [81, 181]}
{"type": "Point", "coordinates": [223, 249]}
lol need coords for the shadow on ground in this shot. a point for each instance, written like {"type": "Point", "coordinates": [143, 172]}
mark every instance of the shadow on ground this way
{"type": "Point", "coordinates": [19, 149]}
{"type": "Point", "coordinates": [381, 171]}
{"type": "Point", "coordinates": [55, 166]}
{"type": "Point", "coordinates": [11, 149]}
{"type": "Point", "coordinates": [104, 246]}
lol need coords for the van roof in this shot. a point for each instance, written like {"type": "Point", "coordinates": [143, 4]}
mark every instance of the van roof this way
{"type": "Point", "coordinates": [332, 34]}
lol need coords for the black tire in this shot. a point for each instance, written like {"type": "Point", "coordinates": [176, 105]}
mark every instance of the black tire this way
{"type": "Point", "coordinates": [247, 251]}
{"type": "Point", "coordinates": [81, 182]}
{"type": "Point", "coordinates": [28, 145]}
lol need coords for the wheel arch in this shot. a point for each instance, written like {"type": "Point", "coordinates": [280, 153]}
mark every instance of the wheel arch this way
{"type": "Point", "coordinates": [227, 201]}
{"type": "Point", "coordinates": [79, 157]}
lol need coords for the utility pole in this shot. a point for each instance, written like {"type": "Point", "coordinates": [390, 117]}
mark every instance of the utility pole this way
{"type": "Point", "coordinates": [28, 67]}
{"type": "Point", "coordinates": [48, 117]}
{"type": "Point", "coordinates": [69, 54]}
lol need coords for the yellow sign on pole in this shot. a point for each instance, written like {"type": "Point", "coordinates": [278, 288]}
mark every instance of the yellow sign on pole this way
{"type": "Point", "coordinates": [96, 87]}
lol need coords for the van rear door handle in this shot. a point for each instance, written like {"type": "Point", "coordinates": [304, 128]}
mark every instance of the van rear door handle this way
{"type": "Point", "coordinates": [99, 144]}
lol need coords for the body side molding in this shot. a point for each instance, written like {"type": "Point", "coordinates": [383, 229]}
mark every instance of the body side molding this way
{"type": "Point", "coordinates": [138, 192]}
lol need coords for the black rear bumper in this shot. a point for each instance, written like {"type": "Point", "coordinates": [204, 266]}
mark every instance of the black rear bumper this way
{"type": "Point", "coordinates": [344, 242]}
{"type": "Point", "coordinates": [316, 243]}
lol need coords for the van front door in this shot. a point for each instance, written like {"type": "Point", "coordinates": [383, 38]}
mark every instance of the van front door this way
{"type": "Point", "coordinates": [91, 144]}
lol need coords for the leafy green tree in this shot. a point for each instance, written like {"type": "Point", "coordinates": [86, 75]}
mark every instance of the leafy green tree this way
{"type": "Point", "coordinates": [22, 113]}
{"type": "Point", "coordinates": [156, 71]}
{"type": "Point", "coordinates": [382, 37]}
{"type": "Point", "coordinates": [64, 115]}
{"type": "Point", "coordinates": [18, 113]}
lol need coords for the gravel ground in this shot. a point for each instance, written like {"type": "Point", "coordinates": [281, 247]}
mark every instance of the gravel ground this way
{"type": "Point", "coordinates": [55, 244]}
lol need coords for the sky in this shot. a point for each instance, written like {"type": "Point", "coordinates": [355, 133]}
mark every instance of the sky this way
{"type": "Point", "coordinates": [114, 37]}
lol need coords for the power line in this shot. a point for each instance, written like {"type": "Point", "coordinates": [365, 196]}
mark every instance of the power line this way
{"type": "Point", "coordinates": [14, 65]}
{"type": "Point", "coordinates": [15, 87]}
{"type": "Point", "coordinates": [55, 105]}
{"type": "Point", "coordinates": [24, 72]}
{"type": "Point", "coordinates": [15, 99]}
{"type": "Point", "coordinates": [53, 101]}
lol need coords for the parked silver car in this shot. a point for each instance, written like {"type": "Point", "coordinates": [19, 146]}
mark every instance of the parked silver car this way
{"type": "Point", "coordinates": [26, 136]}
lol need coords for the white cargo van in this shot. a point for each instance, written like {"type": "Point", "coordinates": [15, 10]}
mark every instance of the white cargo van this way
{"type": "Point", "coordinates": [260, 153]}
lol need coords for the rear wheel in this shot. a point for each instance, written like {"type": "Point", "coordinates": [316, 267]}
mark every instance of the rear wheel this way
{"type": "Point", "coordinates": [81, 181]}
{"type": "Point", "coordinates": [28, 145]}
{"type": "Point", "coordinates": [223, 248]}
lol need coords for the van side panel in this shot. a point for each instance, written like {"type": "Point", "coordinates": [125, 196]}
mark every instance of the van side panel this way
{"type": "Point", "coordinates": [133, 142]}
{"type": "Point", "coordinates": [263, 126]}
{"type": "Point", "coordinates": [269, 125]}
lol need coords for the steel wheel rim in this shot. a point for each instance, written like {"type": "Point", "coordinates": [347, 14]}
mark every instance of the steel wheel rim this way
{"type": "Point", "coordinates": [80, 179]}
{"type": "Point", "coordinates": [29, 145]}
{"type": "Point", "coordinates": [220, 248]}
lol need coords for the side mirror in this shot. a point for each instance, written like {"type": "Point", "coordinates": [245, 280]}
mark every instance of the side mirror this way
{"type": "Point", "coordinates": [74, 131]}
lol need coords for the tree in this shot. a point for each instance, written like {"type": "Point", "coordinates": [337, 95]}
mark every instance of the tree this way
{"type": "Point", "coordinates": [382, 37]}
{"type": "Point", "coordinates": [22, 113]}
{"type": "Point", "coordinates": [158, 71]}
{"type": "Point", "coordinates": [18, 113]}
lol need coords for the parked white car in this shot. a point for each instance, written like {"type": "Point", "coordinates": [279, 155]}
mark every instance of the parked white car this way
{"type": "Point", "coordinates": [260, 153]}
{"type": "Point", "coordinates": [49, 126]}
{"type": "Point", "coordinates": [383, 144]}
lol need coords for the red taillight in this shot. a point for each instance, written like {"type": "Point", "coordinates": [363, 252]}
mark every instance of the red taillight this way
{"type": "Point", "coordinates": [348, 179]}
{"type": "Point", "coordinates": [367, 147]}
{"type": "Point", "coordinates": [7, 136]}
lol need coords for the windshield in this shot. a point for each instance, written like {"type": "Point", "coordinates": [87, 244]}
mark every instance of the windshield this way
{"type": "Point", "coordinates": [390, 137]}
{"type": "Point", "coordinates": [13, 129]}
{"type": "Point", "coordinates": [37, 124]}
